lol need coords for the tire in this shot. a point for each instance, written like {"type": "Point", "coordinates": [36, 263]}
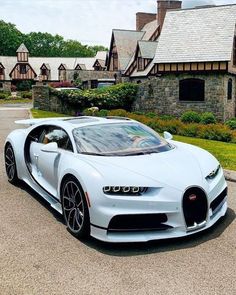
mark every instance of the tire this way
{"type": "Point", "coordinates": [10, 164]}
{"type": "Point", "coordinates": [75, 208]}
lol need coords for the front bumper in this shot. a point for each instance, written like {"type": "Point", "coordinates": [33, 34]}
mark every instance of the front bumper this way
{"type": "Point", "coordinates": [171, 206]}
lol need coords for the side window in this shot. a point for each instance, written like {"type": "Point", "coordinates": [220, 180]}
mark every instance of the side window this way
{"type": "Point", "coordinates": [58, 135]}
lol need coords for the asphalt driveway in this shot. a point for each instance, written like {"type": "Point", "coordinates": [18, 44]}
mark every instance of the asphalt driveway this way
{"type": "Point", "coordinates": [38, 256]}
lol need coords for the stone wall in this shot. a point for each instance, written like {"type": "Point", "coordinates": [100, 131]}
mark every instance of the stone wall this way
{"type": "Point", "coordinates": [6, 85]}
{"type": "Point", "coordinates": [43, 100]}
{"type": "Point", "coordinates": [161, 95]}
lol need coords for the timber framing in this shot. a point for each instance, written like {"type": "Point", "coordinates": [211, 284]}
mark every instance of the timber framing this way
{"type": "Point", "coordinates": [156, 34]}
{"type": "Point", "coordinates": [2, 72]}
{"type": "Point", "coordinates": [29, 73]}
{"type": "Point", "coordinates": [221, 66]}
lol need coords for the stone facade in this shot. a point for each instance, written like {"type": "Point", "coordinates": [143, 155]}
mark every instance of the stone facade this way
{"type": "Point", "coordinates": [161, 95]}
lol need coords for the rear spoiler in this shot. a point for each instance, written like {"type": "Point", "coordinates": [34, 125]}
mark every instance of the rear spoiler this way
{"type": "Point", "coordinates": [37, 121]}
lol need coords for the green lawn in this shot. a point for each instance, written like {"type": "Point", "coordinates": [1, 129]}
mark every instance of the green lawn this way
{"type": "Point", "coordinates": [224, 152]}
{"type": "Point", "coordinates": [45, 114]}
{"type": "Point", "coordinates": [13, 101]}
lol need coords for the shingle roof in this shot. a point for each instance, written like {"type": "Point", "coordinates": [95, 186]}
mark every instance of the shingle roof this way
{"type": "Point", "coordinates": [126, 42]}
{"type": "Point", "coordinates": [22, 48]}
{"type": "Point", "coordinates": [147, 48]}
{"type": "Point", "coordinates": [54, 62]}
{"type": "Point", "coordinates": [101, 62]}
{"type": "Point", "coordinates": [197, 35]}
{"type": "Point", "coordinates": [149, 29]}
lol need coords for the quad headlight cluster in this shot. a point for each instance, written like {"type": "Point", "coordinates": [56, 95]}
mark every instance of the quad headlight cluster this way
{"type": "Point", "coordinates": [124, 190]}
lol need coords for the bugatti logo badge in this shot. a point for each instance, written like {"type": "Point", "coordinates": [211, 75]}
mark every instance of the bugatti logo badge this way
{"type": "Point", "coordinates": [192, 198]}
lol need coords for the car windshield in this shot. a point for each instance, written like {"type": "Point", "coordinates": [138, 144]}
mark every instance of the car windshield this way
{"type": "Point", "coordinates": [118, 139]}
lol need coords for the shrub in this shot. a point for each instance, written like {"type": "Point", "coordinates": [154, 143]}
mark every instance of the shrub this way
{"type": "Point", "coordinates": [190, 117]}
{"type": "Point", "coordinates": [3, 95]}
{"type": "Point", "coordinates": [151, 115]}
{"type": "Point", "coordinates": [24, 85]}
{"type": "Point", "coordinates": [218, 132]}
{"type": "Point", "coordinates": [231, 123]}
{"type": "Point", "coordinates": [26, 94]}
{"type": "Point", "coordinates": [166, 117]}
{"type": "Point", "coordinates": [118, 112]}
{"type": "Point", "coordinates": [103, 113]}
{"type": "Point", "coordinates": [117, 96]}
{"type": "Point", "coordinates": [207, 118]}
{"type": "Point", "coordinates": [61, 84]}
{"type": "Point", "coordinates": [190, 130]}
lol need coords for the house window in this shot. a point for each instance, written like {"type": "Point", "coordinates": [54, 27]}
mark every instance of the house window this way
{"type": "Point", "coordinates": [22, 69]}
{"type": "Point", "coordinates": [191, 90]}
{"type": "Point", "coordinates": [44, 72]}
{"type": "Point", "coordinates": [1, 85]}
{"type": "Point", "coordinates": [230, 89]}
{"type": "Point", "coordinates": [1, 71]}
{"type": "Point", "coordinates": [140, 64]}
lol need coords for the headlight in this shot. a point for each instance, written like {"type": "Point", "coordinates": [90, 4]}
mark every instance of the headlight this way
{"type": "Point", "coordinates": [213, 173]}
{"type": "Point", "coordinates": [124, 190]}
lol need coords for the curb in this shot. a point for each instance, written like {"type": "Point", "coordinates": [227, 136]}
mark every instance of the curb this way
{"type": "Point", "coordinates": [230, 175]}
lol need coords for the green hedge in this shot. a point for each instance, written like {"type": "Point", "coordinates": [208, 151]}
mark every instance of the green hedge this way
{"type": "Point", "coordinates": [117, 96]}
{"type": "Point", "coordinates": [219, 132]}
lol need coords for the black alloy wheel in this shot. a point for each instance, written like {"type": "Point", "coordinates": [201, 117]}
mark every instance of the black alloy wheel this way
{"type": "Point", "coordinates": [10, 164]}
{"type": "Point", "coordinates": [75, 208]}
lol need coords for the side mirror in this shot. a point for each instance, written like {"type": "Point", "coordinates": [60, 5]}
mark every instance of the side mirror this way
{"type": "Point", "coordinates": [51, 147]}
{"type": "Point", "coordinates": [168, 135]}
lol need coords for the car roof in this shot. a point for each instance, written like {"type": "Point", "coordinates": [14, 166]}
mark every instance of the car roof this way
{"type": "Point", "coordinates": [70, 123]}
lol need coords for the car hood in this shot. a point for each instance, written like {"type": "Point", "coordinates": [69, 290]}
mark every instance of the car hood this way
{"type": "Point", "coordinates": [181, 167]}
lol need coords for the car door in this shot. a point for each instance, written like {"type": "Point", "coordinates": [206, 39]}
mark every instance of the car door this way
{"type": "Point", "coordinates": [45, 164]}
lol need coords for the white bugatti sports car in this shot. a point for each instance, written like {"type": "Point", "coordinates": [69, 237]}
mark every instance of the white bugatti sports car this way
{"type": "Point", "coordinates": [116, 179]}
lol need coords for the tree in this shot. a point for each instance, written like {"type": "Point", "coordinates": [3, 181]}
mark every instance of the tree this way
{"type": "Point", "coordinates": [44, 44]}
{"type": "Point", "coordinates": [73, 48]}
{"type": "Point", "coordinates": [10, 38]}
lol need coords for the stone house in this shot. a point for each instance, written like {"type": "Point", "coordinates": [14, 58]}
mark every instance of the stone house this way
{"type": "Point", "coordinates": [190, 64]}
{"type": "Point", "coordinates": [52, 69]}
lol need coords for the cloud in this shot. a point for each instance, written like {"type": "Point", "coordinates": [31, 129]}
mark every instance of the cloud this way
{"type": "Point", "coordinates": [89, 21]}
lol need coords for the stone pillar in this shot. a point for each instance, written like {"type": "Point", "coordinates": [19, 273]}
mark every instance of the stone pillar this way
{"type": "Point", "coordinates": [40, 97]}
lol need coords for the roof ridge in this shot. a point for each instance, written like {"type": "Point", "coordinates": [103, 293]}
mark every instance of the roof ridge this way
{"type": "Point", "coordinates": [201, 7]}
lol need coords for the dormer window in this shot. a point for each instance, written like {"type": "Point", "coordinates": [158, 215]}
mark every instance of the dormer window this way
{"type": "Point", "coordinates": [143, 63]}
{"type": "Point", "coordinates": [44, 72]}
{"type": "Point", "coordinates": [140, 64]}
{"type": "Point", "coordinates": [23, 69]}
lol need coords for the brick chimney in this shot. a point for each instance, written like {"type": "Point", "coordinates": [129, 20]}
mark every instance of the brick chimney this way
{"type": "Point", "coordinates": [143, 18]}
{"type": "Point", "coordinates": [163, 6]}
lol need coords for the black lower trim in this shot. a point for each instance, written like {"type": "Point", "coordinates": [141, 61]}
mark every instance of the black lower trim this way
{"type": "Point", "coordinates": [218, 200]}
{"type": "Point", "coordinates": [97, 226]}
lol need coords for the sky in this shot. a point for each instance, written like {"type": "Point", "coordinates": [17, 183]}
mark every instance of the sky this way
{"type": "Point", "coordinates": [88, 21]}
